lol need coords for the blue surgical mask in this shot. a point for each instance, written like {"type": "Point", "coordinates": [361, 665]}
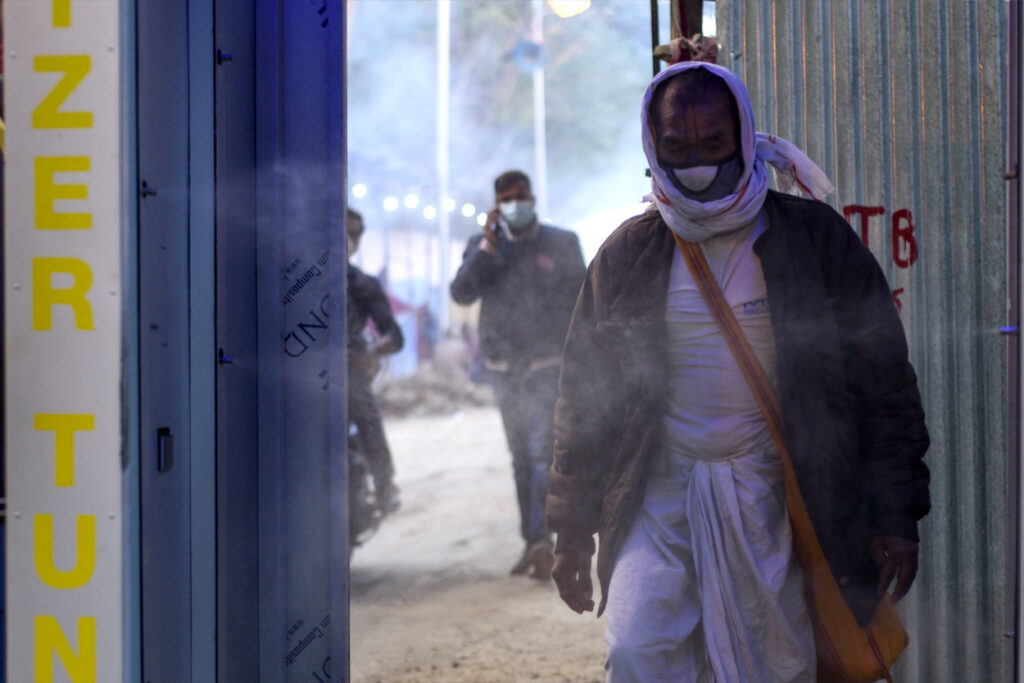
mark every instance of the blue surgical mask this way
{"type": "Point", "coordinates": [518, 214]}
{"type": "Point", "coordinates": [708, 183]}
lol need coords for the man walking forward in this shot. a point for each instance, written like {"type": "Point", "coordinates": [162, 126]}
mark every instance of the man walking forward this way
{"type": "Point", "coordinates": [660, 446]}
{"type": "Point", "coordinates": [526, 276]}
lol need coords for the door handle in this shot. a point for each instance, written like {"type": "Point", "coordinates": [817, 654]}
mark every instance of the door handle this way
{"type": "Point", "coordinates": [164, 449]}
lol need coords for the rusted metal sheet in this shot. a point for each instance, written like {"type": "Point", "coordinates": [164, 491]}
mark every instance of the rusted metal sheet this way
{"type": "Point", "coordinates": [903, 104]}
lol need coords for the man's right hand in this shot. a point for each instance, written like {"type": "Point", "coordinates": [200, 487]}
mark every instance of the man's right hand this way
{"type": "Point", "coordinates": [384, 346]}
{"type": "Point", "coordinates": [571, 573]}
{"type": "Point", "coordinates": [490, 241]}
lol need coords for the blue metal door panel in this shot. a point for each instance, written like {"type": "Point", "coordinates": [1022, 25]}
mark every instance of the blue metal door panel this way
{"type": "Point", "coordinates": [300, 132]}
{"type": "Point", "coordinates": [174, 91]}
{"type": "Point", "coordinates": [282, 528]}
{"type": "Point", "coordinates": [238, 624]}
{"type": "Point", "coordinates": [164, 338]}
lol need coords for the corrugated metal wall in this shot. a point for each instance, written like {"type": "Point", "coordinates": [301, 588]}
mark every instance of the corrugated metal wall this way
{"type": "Point", "coordinates": [903, 105]}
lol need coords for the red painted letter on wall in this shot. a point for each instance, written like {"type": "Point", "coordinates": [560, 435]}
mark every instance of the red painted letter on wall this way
{"type": "Point", "coordinates": [865, 212]}
{"type": "Point", "coordinates": [903, 239]}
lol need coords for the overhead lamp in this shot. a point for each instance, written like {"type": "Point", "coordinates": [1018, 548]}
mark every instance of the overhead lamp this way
{"type": "Point", "coordinates": [468, 210]}
{"type": "Point", "coordinates": [429, 213]}
{"type": "Point", "coordinates": [411, 201]}
{"type": "Point", "coordinates": [390, 203]}
{"type": "Point", "coordinates": [359, 190]}
{"type": "Point", "coordinates": [569, 8]}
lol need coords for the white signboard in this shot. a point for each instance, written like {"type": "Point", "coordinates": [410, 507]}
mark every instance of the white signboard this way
{"type": "Point", "coordinates": [62, 339]}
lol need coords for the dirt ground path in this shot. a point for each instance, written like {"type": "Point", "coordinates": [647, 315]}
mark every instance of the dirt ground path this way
{"type": "Point", "coordinates": [431, 596]}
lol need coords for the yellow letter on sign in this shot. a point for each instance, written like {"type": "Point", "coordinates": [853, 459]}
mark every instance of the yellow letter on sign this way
{"type": "Point", "coordinates": [85, 553]}
{"type": "Point", "coordinates": [50, 639]}
{"type": "Point", "coordinates": [75, 68]}
{"type": "Point", "coordinates": [64, 427]}
{"type": "Point", "coordinates": [45, 296]}
{"type": "Point", "coordinates": [47, 192]}
{"type": "Point", "coordinates": [61, 13]}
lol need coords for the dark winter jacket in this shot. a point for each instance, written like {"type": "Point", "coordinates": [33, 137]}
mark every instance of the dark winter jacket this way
{"type": "Point", "coordinates": [367, 301]}
{"type": "Point", "coordinates": [527, 291]}
{"type": "Point", "coordinates": [852, 413]}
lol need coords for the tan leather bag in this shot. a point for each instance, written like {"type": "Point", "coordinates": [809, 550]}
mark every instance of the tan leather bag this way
{"type": "Point", "coordinates": [846, 650]}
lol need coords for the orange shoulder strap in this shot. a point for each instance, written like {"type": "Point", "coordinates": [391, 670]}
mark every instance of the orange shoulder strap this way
{"type": "Point", "coordinates": [847, 646]}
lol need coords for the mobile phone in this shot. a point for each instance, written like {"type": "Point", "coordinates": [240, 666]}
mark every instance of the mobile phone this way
{"type": "Point", "coordinates": [504, 231]}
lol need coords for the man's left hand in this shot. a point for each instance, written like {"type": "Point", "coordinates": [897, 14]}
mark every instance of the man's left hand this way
{"type": "Point", "coordinates": [895, 557]}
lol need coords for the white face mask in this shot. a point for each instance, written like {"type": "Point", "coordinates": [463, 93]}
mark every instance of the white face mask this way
{"type": "Point", "coordinates": [353, 246]}
{"type": "Point", "coordinates": [696, 178]}
{"type": "Point", "coordinates": [708, 183]}
{"type": "Point", "coordinates": [518, 213]}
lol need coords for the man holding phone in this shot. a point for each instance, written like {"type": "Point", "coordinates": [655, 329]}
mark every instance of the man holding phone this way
{"type": "Point", "coordinates": [526, 276]}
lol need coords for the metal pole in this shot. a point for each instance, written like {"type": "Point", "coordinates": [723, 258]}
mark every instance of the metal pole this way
{"type": "Point", "coordinates": [1014, 436]}
{"type": "Point", "coordinates": [655, 40]}
{"type": "Point", "coordinates": [540, 181]}
{"type": "Point", "coordinates": [387, 251]}
{"type": "Point", "coordinates": [443, 166]}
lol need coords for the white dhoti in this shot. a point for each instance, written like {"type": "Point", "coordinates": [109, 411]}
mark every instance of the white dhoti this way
{"type": "Point", "coordinates": [709, 590]}
{"type": "Point", "coordinates": [706, 586]}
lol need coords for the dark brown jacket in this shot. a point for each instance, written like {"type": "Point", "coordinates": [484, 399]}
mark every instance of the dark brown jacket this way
{"type": "Point", "coordinates": [526, 293]}
{"type": "Point", "coordinates": [852, 412]}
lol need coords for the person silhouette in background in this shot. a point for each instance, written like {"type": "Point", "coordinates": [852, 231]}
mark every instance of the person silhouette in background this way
{"type": "Point", "coordinates": [367, 301]}
{"type": "Point", "coordinates": [526, 276]}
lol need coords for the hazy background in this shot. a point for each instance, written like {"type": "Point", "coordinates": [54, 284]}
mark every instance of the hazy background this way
{"type": "Point", "coordinates": [596, 67]}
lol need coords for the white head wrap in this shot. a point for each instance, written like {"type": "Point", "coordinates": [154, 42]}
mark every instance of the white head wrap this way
{"type": "Point", "coordinates": [695, 221]}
